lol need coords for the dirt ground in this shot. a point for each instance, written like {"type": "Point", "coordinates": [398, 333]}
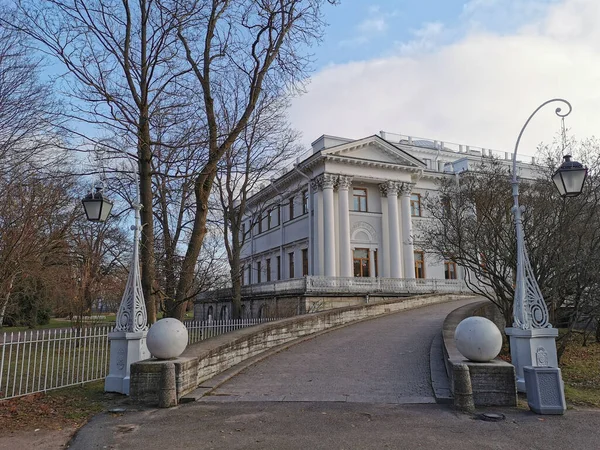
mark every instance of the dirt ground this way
{"type": "Point", "coordinates": [48, 421]}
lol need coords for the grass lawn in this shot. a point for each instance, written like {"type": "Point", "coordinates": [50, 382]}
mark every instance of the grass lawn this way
{"type": "Point", "coordinates": [581, 373]}
{"type": "Point", "coordinates": [62, 323]}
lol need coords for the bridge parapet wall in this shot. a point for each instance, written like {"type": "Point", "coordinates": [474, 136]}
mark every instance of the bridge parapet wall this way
{"type": "Point", "coordinates": [493, 383]}
{"type": "Point", "coordinates": [204, 360]}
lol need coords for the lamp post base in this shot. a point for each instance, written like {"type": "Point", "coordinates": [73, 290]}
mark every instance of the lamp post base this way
{"type": "Point", "coordinates": [534, 347]}
{"type": "Point", "coordinates": [125, 349]}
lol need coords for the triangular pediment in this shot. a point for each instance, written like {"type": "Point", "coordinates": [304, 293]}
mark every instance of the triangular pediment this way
{"type": "Point", "coordinates": [376, 149]}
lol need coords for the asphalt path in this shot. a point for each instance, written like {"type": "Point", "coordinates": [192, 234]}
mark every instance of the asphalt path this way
{"type": "Point", "coordinates": [384, 360]}
{"type": "Point", "coordinates": [365, 386]}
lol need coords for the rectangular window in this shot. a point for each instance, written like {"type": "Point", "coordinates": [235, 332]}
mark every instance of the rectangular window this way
{"type": "Point", "coordinates": [450, 270]}
{"type": "Point", "coordinates": [260, 224]}
{"type": "Point", "coordinates": [278, 214]}
{"type": "Point", "coordinates": [291, 263]}
{"type": "Point", "coordinates": [415, 205]}
{"type": "Point", "coordinates": [279, 268]}
{"type": "Point", "coordinates": [291, 208]}
{"type": "Point", "coordinates": [359, 196]}
{"type": "Point", "coordinates": [243, 230]}
{"type": "Point", "coordinates": [268, 269]}
{"type": "Point", "coordinates": [258, 272]}
{"type": "Point", "coordinates": [304, 202]}
{"type": "Point", "coordinates": [419, 264]}
{"type": "Point", "coordinates": [269, 220]}
{"type": "Point", "coordinates": [242, 274]}
{"type": "Point", "coordinates": [304, 262]}
{"type": "Point", "coordinates": [361, 262]}
{"type": "Point", "coordinates": [376, 268]}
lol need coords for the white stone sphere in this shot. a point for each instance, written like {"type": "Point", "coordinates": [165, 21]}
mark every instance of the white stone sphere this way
{"type": "Point", "coordinates": [478, 339]}
{"type": "Point", "coordinates": [167, 338]}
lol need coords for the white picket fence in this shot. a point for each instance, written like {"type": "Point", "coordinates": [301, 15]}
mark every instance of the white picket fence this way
{"type": "Point", "coordinates": [41, 360]}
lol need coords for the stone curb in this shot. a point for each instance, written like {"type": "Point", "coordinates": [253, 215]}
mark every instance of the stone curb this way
{"type": "Point", "coordinates": [439, 378]}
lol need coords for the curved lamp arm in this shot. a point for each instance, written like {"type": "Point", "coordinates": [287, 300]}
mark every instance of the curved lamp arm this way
{"type": "Point", "coordinates": [558, 112]}
{"type": "Point", "coordinates": [529, 307]}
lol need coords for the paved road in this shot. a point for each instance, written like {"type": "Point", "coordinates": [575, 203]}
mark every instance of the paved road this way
{"type": "Point", "coordinates": [384, 360]}
{"type": "Point", "coordinates": [354, 388]}
{"type": "Point", "coordinates": [330, 425]}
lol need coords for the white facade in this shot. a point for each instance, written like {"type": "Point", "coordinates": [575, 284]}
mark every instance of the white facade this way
{"type": "Point", "coordinates": [353, 208]}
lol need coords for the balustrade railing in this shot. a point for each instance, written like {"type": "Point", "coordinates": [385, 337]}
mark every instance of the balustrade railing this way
{"type": "Point", "coordinates": [343, 286]}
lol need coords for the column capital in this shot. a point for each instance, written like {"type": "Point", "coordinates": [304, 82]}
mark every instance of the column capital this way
{"type": "Point", "coordinates": [406, 188]}
{"type": "Point", "coordinates": [344, 182]}
{"type": "Point", "coordinates": [390, 188]}
{"type": "Point", "coordinates": [328, 180]}
{"type": "Point", "coordinates": [316, 184]}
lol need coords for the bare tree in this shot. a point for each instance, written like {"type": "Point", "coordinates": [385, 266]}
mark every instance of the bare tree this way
{"type": "Point", "coordinates": [472, 224]}
{"type": "Point", "coordinates": [28, 111]}
{"type": "Point", "coordinates": [96, 251]}
{"type": "Point", "coordinates": [261, 149]}
{"type": "Point", "coordinates": [35, 217]}
{"type": "Point", "coordinates": [121, 70]}
{"type": "Point", "coordinates": [237, 51]}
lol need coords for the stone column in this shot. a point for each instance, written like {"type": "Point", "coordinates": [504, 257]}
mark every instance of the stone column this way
{"type": "Point", "coordinates": [328, 225]}
{"type": "Point", "coordinates": [408, 250]}
{"type": "Point", "coordinates": [344, 183]}
{"type": "Point", "coordinates": [391, 189]}
{"type": "Point", "coordinates": [317, 236]}
{"type": "Point", "coordinates": [371, 262]}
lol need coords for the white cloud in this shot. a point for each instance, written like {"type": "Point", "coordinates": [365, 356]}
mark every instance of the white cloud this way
{"type": "Point", "coordinates": [502, 15]}
{"type": "Point", "coordinates": [426, 39]}
{"type": "Point", "coordinates": [375, 24]}
{"type": "Point", "coordinates": [478, 90]}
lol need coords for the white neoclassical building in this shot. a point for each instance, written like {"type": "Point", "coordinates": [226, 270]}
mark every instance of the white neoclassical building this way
{"type": "Point", "coordinates": [344, 222]}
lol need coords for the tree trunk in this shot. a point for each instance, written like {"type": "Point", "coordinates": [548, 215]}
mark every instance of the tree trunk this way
{"type": "Point", "coordinates": [202, 190]}
{"type": "Point", "coordinates": [147, 241]}
{"type": "Point", "coordinates": [236, 285]}
{"type": "Point", "coordinates": [3, 308]}
{"type": "Point", "coordinates": [6, 300]}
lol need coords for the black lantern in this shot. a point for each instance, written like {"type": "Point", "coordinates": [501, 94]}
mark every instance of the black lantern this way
{"type": "Point", "coordinates": [97, 207]}
{"type": "Point", "coordinates": [569, 177]}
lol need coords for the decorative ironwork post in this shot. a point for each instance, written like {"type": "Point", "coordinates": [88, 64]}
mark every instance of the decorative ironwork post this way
{"type": "Point", "coordinates": [128, 340]}
{"type": "Point", "coordinates": [532, 338]}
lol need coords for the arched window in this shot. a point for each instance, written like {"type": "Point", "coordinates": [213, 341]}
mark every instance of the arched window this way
{"type": "Point", "coordinates": [223, 315]}
{"type": "Point", "coordinates": [209, 313]}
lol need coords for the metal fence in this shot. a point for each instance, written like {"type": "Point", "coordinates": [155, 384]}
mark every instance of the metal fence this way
{"type": "Point", "coordinates": [41, 360]}
{"type": "Point", "coordinates": [200, 330]}
{"type": "Point", "coordinates": [37, 361]}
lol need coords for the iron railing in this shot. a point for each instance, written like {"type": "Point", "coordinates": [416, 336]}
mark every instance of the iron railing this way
{"type": "Point", "coordinates": [42, 360]}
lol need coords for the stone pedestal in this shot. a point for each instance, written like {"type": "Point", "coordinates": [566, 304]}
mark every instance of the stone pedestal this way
{"type": "Point", "coordinates": [125, 349]}
{"type": "Point", "coordinates": [535, 347]}
{"type": "Point", "coordinates": [545, 390]}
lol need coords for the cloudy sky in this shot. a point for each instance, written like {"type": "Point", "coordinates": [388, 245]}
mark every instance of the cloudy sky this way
{"type": "Point", "coordinates": [467, 71]}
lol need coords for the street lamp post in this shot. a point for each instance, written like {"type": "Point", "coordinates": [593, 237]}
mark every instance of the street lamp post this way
{"type": "Point", "coordinates": [532, 338]}
{"type": "Point", "coordinates": [128, 339]}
